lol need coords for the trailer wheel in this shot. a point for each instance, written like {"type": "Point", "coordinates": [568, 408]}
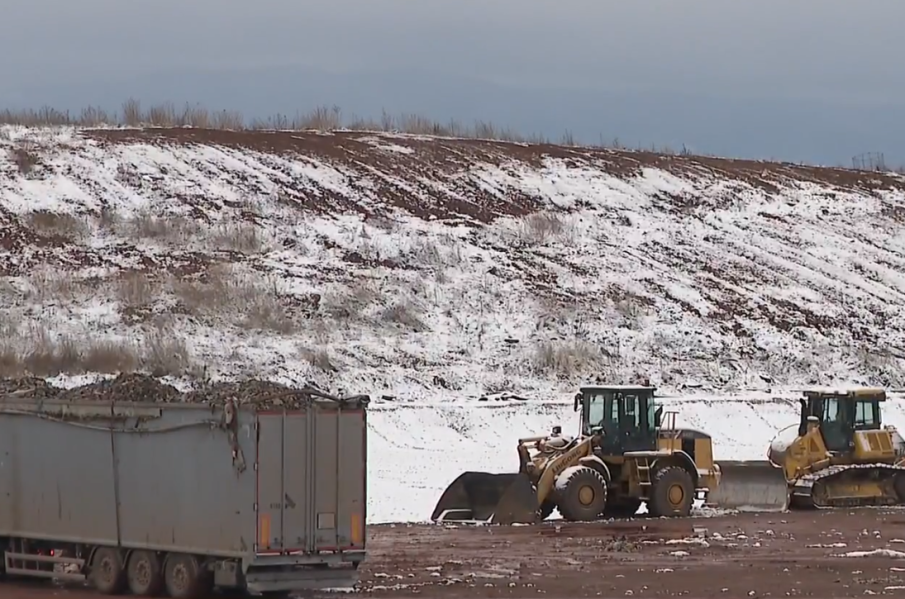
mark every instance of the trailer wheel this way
{"type": "Point", "coordinates": [144, 574]}
{"type": "Point", "coordinates": [107, 574]}
{"type": "Point", "coordinates": [182, 576]}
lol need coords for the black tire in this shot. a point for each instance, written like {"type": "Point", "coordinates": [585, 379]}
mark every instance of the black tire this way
{"type": "Point", "coordinates": [672, 493]}
{"type": "Point", "coordinates": [107, 573]}
{"type": "Point", "coordinates": [581, 497]}
{"type": "Point", "coordinates": [621, 508]}
{"type": "Point", "coordinates": [144, 574]}
{"type": "Point", "coordinates": [898, 485]}
{"type": "Point", "coordinates": [182, 576]}
{"type": "Point", "coordinates": [546, 509]}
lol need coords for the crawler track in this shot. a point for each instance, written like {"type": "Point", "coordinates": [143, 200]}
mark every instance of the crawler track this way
{"type": "Point", "coordinates": [806, 493]}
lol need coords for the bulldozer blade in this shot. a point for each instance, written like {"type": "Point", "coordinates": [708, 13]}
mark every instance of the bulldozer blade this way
{"type": "Point", "coordinates": [485, 497]}
{"type": "Point", "coordinates": [753, 486]}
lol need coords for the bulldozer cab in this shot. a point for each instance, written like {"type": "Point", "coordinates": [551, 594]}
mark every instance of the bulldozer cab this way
{"type": "Point", "coordinates": [626, 417]}
{"type": "Point", "coordinates": [841, 413]}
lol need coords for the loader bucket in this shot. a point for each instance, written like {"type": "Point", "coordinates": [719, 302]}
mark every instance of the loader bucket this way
{"type": "Point", "coordinates": [485, 497]}
{"type": "Point", "coordinates": [751, 486]}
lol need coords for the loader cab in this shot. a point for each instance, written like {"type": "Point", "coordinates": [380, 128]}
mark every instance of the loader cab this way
{"type": "Point", "coordinates": [626, 416]}
{"type": "Point", "coordinates": [841, 412]}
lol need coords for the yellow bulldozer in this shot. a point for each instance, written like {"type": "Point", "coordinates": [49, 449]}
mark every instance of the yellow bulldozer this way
{"type": "Point", "coordinates": [623, 457]}
{"type": "Point", "coordinates": [838, 455]}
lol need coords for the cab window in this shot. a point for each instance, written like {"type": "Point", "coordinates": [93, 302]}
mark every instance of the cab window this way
{"type": "Point", "coordinates": [632, 416]}
{"type": "Point", "coordinates": [833, 411]}
{"type": "Point", "coordinates": [596, 409]}
{"type": "Point", "coordinates": [651, 415]}
{"type": "Point", "coordinates": [867, 415]}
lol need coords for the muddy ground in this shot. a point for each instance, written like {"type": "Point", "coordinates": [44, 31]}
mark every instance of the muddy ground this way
{"type": "Point", "coordinates": [849, 553]}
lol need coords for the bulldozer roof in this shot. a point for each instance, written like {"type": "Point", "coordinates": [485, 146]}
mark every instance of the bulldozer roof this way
{"type": "Point", "coordinates": [853, 392]}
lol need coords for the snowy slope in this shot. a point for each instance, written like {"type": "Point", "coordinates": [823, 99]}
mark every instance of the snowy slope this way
{"type": "Point", "coordinates": [435, 271]}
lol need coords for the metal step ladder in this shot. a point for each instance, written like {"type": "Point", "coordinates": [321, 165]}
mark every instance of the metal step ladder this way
{"type": "Point", "coordinates": [643, 466]}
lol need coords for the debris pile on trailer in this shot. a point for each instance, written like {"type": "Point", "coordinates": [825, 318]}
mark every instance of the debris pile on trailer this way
{"type": "Point", "coordinates": [144, 388]}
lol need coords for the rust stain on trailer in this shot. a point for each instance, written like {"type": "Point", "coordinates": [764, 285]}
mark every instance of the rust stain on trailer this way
{"type": "Point", "coordinates": [356, 529]}
{"type": "Point", "coordinates": [264, 528]}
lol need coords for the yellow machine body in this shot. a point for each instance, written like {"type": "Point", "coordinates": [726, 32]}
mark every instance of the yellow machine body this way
{"type": "Point", "coordinates": [623, 458]}
{"type": "Point", "coordinates": [839, 455]}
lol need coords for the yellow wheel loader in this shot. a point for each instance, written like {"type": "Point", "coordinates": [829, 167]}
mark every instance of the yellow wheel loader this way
{"type": "Point", "coordinates": [622, 458]}
{"type": "Point", "coordinates": [838, 455]}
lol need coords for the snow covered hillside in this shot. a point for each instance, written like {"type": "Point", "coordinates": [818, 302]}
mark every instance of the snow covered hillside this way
{"type": "Point", "coordinates": [420, 268]}
{"type": "Point", "coordinates": [432, 272]}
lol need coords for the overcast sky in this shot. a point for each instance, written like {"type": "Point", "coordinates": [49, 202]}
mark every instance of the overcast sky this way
{"type": "Point", "coordinates": [812, 80]}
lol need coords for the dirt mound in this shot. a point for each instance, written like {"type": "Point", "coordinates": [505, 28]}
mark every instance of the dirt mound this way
{"type": "Point", "coordinates": [143, 388]}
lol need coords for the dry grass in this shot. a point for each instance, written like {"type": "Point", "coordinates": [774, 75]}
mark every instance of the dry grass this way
{"type": "Point", "coordinates": [236, 236]}
{"type": "Point", "coordinates": [404, 314]}
{"type": "Point", "coordinates": [25, 158]}
{"type": "Point", "coordinates": [166, 354]}
{"type": "Point", "coordinates": [567, 359]}
{"type": "Point", "coordinates": [251, 302]}
{"type": "Point", "coordinates": [149, 226]}
{"type": "Point", "coordinates": [319, 359]}
{"type": "Point", "coordinates": [443, 252]}
{"type": "Point", "coordinates": [48, 286]}
{"type": "Point", "coordinates": [135, 290]}
{"type": "Point", "coordinates": [540, 228]}
{"type": "Point", "coordinates": [36, 352]}
{"type": "Point", "coordinates": [349, 303]}
{"type": "Point", "coordinates": [243, 237]}
{"type": "Point", "coordinates": [631, 308]}
{"type": "Point", "coordinates": [56, 224]}
{"type": "Point", "coordinates": [322, 118]}
{"type": "Point", "coordinates": [108, 219]}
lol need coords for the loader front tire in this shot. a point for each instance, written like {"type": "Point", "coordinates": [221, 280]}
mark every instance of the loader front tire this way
{"type": "Point", "coordinates": [672, 493]}
{"type": "Point", "coordinates": [581, 494]}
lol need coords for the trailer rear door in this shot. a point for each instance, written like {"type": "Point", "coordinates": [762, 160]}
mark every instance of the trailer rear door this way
{"type": "Point", "coordinates": [311, 470]}
{"type": "Point", "coordinates": [340, 466]}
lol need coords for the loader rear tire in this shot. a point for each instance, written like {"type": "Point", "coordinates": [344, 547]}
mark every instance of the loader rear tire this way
{"type": "Point", "coordinates": [672, 493]}
{"type": "Point", "coordinates": [581, 494]}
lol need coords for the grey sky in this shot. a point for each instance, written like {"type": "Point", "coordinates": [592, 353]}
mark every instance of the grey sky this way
{"type": "Point", "coordinates": [814, 80]}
